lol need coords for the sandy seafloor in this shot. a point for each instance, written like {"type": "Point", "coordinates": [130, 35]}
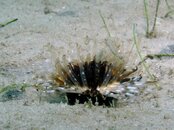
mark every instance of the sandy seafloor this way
{"type": "Point", "coordinates": [24, 57]}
